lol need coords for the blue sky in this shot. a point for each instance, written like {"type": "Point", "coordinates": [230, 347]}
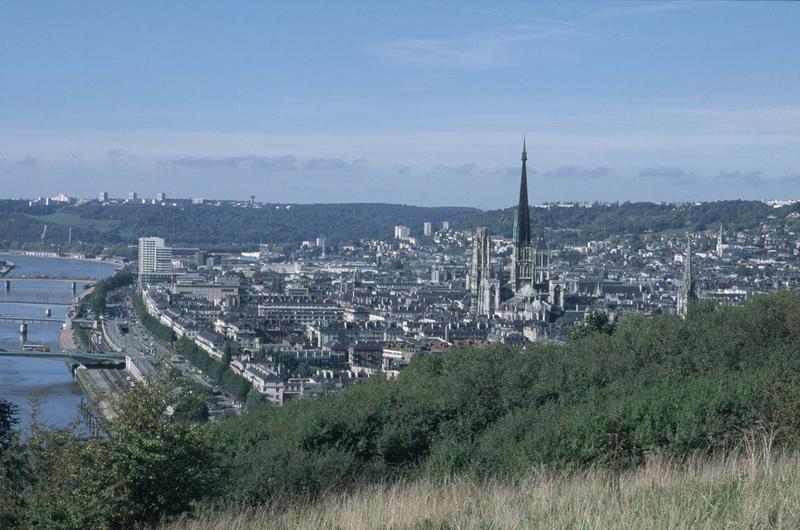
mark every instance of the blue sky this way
{"type": "Point", "coordinates": [407, 102]}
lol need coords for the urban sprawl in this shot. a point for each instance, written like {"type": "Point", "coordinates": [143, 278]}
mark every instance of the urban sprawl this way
{"type": "Point", "coordinates": [302, 320]}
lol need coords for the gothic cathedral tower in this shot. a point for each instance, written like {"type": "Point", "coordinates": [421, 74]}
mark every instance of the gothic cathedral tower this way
{"type": "Point", "coordinates": [523, 267]}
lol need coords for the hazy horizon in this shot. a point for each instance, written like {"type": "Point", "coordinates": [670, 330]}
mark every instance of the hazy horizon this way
{"type": "Point", "coordinates": [421, 103]}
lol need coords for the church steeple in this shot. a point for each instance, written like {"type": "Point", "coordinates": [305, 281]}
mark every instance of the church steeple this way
{"type": "Point", "coordinates": [522, 222]}
{"type": "Point", "coordinates": [688, 273]}
{"type": "Point", "coordinates": [688, 291]}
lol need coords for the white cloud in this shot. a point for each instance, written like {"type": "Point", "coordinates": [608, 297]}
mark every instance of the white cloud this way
{"type": "Point", "coordinates": [576, 172]}
{"type": "Point", "coordinates": [478, 50]}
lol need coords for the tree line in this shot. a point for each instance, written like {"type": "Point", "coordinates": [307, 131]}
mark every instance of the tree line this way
{"type": "Point", "coordinates": [204, 225]}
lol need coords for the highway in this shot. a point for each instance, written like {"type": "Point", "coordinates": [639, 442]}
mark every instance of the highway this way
{"type": "Point", "coordinates": [139, 341]}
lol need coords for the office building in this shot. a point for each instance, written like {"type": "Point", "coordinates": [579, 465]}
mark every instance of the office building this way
{"type": "Point", "coordinates": [155, 261]}
{"type": "Point", "coordinates": [427, 229]}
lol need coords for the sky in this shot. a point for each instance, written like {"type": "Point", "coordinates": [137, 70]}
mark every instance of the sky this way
{"type": "Point", "coordinates": [406, 102]}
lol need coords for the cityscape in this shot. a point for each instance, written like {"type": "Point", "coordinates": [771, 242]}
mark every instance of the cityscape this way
{"type": "Point", "coordinates": [420, 265]}
{"type": "Point", "coordinates": [296, 321]}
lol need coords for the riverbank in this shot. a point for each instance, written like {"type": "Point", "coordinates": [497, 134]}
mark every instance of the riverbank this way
{"type": "Point", "coordinates": [66, 341]}
{"type": "Point", "coordinates": [117, 263]}
{"type": "Point", "coordinates": [58, 391]}
{"type": "Point", "coordinates": [102, 387]}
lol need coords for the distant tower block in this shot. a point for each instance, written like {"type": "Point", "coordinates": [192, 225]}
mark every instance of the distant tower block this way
{"type": "Point", "coordinates": [102, 196]}
{"type": "Point", "coordinates": [161, 197]}
{"type": "Point", "coordinates": [322, 243]}
{"type": "Point", "coordinates": [427, 229]}
{"type": "Point", "coordinates": [445, 226]}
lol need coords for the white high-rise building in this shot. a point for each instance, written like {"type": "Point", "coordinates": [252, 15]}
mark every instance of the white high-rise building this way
{"type": "Point", "coordinates": [132, 196]}
{"type": "Point", "coordinates": [155, 261]}
{"type": "Point", "coordinates": [161, 197]}
{"type": "Point", "coordinates": [323, 244]}
{"type": "Point", "coordinates": [103, 196]}
{"type": "Point", "coordinates": [401, 232]}
{"type": "Point", "coordinates": [445, 225]}
{"type": "Point", "coordinates": [427, 229]}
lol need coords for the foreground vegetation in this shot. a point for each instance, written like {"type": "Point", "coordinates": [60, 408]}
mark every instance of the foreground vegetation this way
{"type": "Point", "coordinates": [606, 409]}
{"type": "Point", "coordinates": [654, 385]}
{"type": "Point", "coordinates": [751, 488]}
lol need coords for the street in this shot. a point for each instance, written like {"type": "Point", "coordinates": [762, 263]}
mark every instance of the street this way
{"type": "Point", "coordinates": [138, 341]}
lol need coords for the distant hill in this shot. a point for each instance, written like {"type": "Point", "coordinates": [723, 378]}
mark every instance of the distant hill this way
{"type": "Point", "coordinates": [226, 224]}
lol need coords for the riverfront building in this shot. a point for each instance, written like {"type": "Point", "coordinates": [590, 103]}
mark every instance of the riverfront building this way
{"type": "Point", "coordinates": [155, 261]}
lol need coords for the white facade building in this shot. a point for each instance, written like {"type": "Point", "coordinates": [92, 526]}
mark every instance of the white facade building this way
{"type": "Point", "coordinates": [155, 261]}
{"type": "Point", "coordinates": [401, 232]}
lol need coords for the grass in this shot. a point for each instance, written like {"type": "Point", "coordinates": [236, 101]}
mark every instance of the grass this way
{"type": "Point", "coordinates": [752, 487]}
{"type": "Point", "coordinates": [76, 221]}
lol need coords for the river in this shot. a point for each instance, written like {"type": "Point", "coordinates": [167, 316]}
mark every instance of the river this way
{"type": "Point", "coordinates": [45, 383]}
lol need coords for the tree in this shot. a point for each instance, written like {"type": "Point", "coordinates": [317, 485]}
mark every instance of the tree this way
{"type": "Point", "coordinates": [255, 399]}
{"type": "Point", "coordinates": [8, 421]}
{"type": "Point", "coordinates": [152, 463]}
{"type": "Point", "coordinates": [595, 321]}
{"type": "Point", "coordinates": [573, 257]}
{"type": "Point", "coordinates": [227, 353]}
{"type": "Point", "coordinates": [12, 467]}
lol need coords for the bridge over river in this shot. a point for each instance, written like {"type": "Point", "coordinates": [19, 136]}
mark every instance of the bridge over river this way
{"type": "Point", "coordinates": [8, 280]}
{"type": "Point", "coordinates": [71, 357]}
{"type": "Point", "coordinates": [24, 320]}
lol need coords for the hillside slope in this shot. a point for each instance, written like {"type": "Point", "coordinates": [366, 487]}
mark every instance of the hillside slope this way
{"type": "Point", "coordinates": [657, 385]}
{"type": "Point", "coordinates": [206, 224]}
{"type": "Point", "coordinates": [749, 490]}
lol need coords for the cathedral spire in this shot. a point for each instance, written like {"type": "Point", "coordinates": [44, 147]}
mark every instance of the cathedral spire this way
{"type": "Point", "coordinates": [688, 291]}
{"type": "Point", "coordinates": [522, 222]}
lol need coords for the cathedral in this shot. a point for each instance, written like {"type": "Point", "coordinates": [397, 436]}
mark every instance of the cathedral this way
{"type": "Point", "coordinates": [530, 263]}
{"type": "Point", "coordinates": [529, 285]}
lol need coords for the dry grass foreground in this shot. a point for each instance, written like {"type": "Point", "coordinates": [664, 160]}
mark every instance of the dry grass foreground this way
{"type": "Point", "coordinates": [745, 490]}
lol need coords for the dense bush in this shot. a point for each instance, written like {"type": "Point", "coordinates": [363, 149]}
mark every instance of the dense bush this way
{"type": "Point", "coordinates": [149, 464]}
{"type": "Point", "coordinates": [98, 297]}
{"type": "Point", "coordinates": [653, 385]}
